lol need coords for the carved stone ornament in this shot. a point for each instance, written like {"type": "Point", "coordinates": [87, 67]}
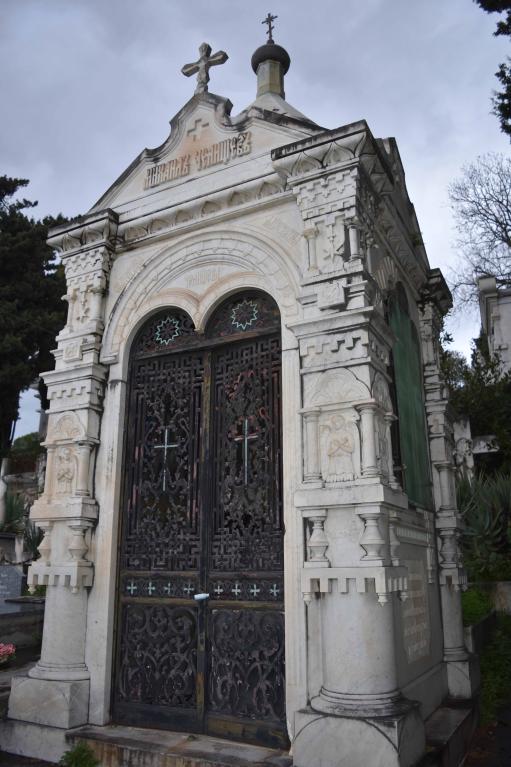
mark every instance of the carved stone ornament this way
{"type": "Point", "coordinates": [338, 444]}
{"type": "Point", "coordinates": [381, 393]}
{"type": "Point", "coordinates": [333, 386]}
{"type": "Point", "coordinates": [317, 541]}
{"type": "Point", "coordinates": [65, 471]}
{"type": "Point", "coordinates": [66, 428]}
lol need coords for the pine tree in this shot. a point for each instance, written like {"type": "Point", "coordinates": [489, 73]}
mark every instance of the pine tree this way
{"type": "Point", "coordinates": [502, 99]}
{"type": "Point", "coordinates": [31, 310]}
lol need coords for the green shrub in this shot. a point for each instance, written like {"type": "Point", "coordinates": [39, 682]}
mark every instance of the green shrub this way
{"type": "Point", "coordinates": [495, 663]}
{"type": "Point", "coordinates": [476, 605]}
{"type": "Point", "coordinates": [80, 755]}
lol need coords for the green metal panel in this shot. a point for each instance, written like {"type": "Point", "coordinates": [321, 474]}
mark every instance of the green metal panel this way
{"type": "Point", "coordinates": [410, 403]}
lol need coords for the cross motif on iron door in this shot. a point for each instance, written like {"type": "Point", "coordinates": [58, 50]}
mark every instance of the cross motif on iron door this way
{"type": "Point", "coordinates": [165, 447]}
{"type": "Point", "coordinates": [244, 440]}
{"type": "Point", "coordinates": [200, 620]}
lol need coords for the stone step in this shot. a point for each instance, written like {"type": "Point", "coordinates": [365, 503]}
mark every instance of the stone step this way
{"type": "Point", "coordinates": [449, 731]}
{"type": "Point", "coordinates": [118, 746]}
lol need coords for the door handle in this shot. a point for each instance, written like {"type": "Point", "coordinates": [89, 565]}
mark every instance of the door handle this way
{"type": "Point", "coordinates": [200, 597]}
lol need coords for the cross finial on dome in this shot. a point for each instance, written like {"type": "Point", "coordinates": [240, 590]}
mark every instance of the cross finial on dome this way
{"type": "Point", "coordinates": [268, 20]}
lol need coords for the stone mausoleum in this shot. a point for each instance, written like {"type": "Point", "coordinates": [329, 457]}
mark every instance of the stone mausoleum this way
{"type": "Point", "coordinates": [249, 517]}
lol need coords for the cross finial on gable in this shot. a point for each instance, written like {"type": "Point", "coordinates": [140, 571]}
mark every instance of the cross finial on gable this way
{"type": "Point", "coordinates": [203, 65]}
{"type": "Point", "coordinates": [268, 20]}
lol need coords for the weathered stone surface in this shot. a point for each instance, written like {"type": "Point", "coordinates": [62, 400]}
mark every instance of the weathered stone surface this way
{"type": "Point", "coordinates": [34, 740]}
{"type": "Point", "coordinates": [118, 746]}
{"type": "Point", "coordinates": [65, 704]}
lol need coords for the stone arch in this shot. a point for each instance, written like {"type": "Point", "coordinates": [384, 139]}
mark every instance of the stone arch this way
{"type": "Point", "coordinates": [336, 386]}
{"type": "Point", "coordinates": [254, 262]}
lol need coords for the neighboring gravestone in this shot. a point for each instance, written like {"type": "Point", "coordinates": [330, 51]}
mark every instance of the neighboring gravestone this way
{"type": "Point", "coordinates": [11, 581]}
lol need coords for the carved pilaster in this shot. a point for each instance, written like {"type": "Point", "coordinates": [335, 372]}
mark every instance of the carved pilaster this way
{"type": "Point", "coordinates": [312, 467]}
{"type": "Point", "coordinates": [67, 507]}
{"type": "Point", "coordinates": [367, 418]}
{"type": "Point", "coordinates": [461, 675]}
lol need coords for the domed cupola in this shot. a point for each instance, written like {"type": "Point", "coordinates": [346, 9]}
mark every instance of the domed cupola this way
{"type": "Point", "coordinates": [270, 62]}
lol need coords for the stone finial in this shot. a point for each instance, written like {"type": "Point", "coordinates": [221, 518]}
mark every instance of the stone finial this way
{"type": "Point", "coordinates": [203, 65]}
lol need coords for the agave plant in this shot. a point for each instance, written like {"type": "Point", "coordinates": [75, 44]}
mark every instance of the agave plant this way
{"type": "Point", "coordinates": [32, 538]}
{"type": "Point", "coordinates": [485, 503]}
{"type": "Point", "coordinates": [15, 511]}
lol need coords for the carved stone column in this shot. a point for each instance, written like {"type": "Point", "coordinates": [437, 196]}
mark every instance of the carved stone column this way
{"type": "Point", "coordinates": [351, 587]}
{"type": "Point", "coordinates": [462, 669]}
{"type": "Point", "coordinates": [67, 509]}
{"type": "Point", "coordinates": [312, 466]}
{"type": "Point", "coordinates": [354, 240]}
{"type": "Point", "coordinates": [369, 464]}
{"type": "Point", "coordinates": [310, 235]}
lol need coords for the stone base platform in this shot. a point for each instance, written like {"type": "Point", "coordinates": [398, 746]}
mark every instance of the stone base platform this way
{"type": "Point", "coordinates": [449, 731]}
{"type": "Point", "coordinates": [116, 746]}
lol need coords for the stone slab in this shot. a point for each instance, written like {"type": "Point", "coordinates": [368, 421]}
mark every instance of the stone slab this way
{"type": "Point", "coordinates": [32, 740]}
{"type": "Point", "coordinates": [449, 731]}
{"type": "Point", "coordinates": [50, 702]}
{"type": "Point", "coordinates": [21, 624]}
{"type": "Point", "coordinates": [357, 742]}
{"type": "Point", "coordinates": [117, 746]}
{"type": "Point", "coordinates": [463, 678]}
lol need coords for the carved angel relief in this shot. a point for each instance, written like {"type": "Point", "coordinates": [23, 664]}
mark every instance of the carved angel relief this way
{"type": "Point", "coordinates": [65, 471]}
{"type": "Point", "coordinates": [337, 449]}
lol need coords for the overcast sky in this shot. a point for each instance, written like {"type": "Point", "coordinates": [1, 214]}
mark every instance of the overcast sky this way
{"type": "Point", "coordinates": [87, 84]}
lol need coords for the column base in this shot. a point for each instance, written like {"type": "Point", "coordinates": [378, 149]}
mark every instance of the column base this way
{"type": "Point", "coordinates": [325, 740]}
{"type": "Point", "coordinates": [358, 706]}
{"type": "Point", "coordinates": [49, 702]}
{"type": "Point", "coordinates": [76, 673]}
{"type": "Point", "coordinates": [463, 677]}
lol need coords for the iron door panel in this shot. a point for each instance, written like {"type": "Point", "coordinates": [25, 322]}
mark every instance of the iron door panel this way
{"type": "Point", "coordinates": [160, 644]}
{"type": "Point", "coordinates": [245, 690]}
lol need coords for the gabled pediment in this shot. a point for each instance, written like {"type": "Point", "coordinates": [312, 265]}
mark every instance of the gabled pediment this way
{"type": "Point", "coordinates": [203, 139]}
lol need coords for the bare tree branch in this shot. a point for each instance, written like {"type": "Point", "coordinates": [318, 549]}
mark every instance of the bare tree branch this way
{"type": "Point", "coordinates": [481, 205]}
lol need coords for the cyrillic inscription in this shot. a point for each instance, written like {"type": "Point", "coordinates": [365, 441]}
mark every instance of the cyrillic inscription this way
{"type": "Point", "coordinates": [223, 152]}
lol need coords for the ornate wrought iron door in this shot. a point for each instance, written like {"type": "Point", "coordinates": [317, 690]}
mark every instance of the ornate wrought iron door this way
{"type": "Point", "coordinates": [200, 625]}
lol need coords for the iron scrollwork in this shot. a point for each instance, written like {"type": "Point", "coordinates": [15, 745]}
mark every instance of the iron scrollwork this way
{"type": "Point", "coordinates": [247, 664]}
{"type": "Point", "coordinates": [158, 655]}
{"type": "Point", "coordinates": [202, 512]}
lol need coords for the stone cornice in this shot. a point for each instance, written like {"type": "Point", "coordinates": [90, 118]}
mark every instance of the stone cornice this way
{"type": "Point", "coordinates": [345, 171]}
{"type": "Point", "coordinates": [191, 214]}
{"type": "Point", "coordinates": [84, 233]}
{"type": "Point", "coordinates": [437, 292]}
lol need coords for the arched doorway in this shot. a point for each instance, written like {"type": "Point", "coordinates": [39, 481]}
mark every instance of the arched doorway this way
{"type": "Point", "coordinates": [200, 620]}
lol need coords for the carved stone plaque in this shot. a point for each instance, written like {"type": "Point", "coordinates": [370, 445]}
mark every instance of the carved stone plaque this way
{"type": "Point", "coordinates": [416, 625]}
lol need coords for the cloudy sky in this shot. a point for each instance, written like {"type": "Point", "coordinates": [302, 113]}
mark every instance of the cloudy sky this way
{"type": "Point", "coordinates": [87, 84]}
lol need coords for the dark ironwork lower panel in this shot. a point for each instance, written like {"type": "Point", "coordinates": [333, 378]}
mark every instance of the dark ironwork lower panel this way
{"type": "Point", "coordinates": [246, 674]}
{"type": "Point", "coordinates": [158, 656]}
